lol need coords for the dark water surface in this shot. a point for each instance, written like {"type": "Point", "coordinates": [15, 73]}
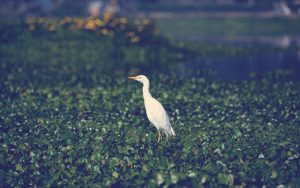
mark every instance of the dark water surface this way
{"type": "Point", "coordinates": [280, 64]}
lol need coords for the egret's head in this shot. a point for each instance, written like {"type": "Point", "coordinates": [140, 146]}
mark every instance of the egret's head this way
{"type": "Point", "coordinates": [141, 78]}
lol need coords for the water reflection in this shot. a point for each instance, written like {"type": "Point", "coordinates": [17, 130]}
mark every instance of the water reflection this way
{"type": "Point", "coordinates": [277, 65]}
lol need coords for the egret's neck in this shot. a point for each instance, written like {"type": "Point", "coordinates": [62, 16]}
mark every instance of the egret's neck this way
{"type": "Point", "coordinates": [146, 92]}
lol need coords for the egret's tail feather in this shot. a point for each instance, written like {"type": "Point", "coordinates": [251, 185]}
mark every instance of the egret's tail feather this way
{"type": "Point", "coordinates": [172, 132]}
{"type": "Point", "coordinates": [169, 132]}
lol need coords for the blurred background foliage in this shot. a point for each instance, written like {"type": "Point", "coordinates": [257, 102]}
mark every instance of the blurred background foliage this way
{"type": "Point", "coordinates": [154, 34]}
{"type": "Point", "coordinates": [61, 8]}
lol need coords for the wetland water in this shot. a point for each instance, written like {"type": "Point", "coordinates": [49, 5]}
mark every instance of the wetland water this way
{"type": "Point", "coordinates": [239, 48]}
{"type": "Point", "coordinates": [280, 64]}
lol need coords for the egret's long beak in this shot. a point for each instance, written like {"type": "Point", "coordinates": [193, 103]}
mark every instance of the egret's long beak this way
{"type": "Point", "coordinates": [132, 77]}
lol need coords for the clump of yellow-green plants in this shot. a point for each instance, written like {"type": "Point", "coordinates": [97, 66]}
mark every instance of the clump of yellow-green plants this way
{"type": "Point", "coordinates": [106, 26]}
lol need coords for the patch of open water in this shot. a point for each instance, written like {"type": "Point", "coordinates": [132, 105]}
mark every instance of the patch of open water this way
{"type": "Point", "coordinates": [281, 64]}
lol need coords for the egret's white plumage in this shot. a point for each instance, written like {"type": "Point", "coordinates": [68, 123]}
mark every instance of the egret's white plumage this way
{"type": "Point", "coordinates": [156, 113]}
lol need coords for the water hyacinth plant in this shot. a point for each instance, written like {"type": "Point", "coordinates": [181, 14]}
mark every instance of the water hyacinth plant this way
{"type": "Point", "coordinates": [89, 129]}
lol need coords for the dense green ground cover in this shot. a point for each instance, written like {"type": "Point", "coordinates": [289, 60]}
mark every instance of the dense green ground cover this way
{"type": "Point", "coordinates": [70, 126]}
{"type": "Point", "coordinates": [67, 122]}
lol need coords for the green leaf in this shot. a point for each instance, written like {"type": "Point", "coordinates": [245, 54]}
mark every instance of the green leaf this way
{"type": "Point", "coordinates": [226, 179]}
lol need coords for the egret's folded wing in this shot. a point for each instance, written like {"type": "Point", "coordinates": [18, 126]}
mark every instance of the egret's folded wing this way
{"type": "Point", "coordinates": [158, 113]}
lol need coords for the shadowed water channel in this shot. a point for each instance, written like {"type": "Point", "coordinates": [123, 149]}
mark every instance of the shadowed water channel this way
{"type": "Point", "coordinates": [280, 64]}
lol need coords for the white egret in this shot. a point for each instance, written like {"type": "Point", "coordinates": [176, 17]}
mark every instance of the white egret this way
{"type": "Point", "coordinates": [156, 113]}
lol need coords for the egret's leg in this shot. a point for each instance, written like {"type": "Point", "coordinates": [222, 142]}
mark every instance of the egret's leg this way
{"type": "Point", "coordinates": [159, 136]}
